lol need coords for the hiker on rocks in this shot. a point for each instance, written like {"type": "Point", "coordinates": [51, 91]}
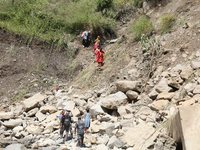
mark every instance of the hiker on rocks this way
{"type": "Point", "coordinates": [96, 52]}
{"type": "Point", "coordinates": [60, 120]}
{"type": "Point", "coordinates": [99, 59]}
{"type": "Point", "coordinates": [87, 117]}
{"type": "Point", "coordinates": [65, 125]}
{"type": "Point", "coordinates": [97, 43]}
{"type": "Point", "coordinates": [80, 126]}
{"type": "Point", "coordinates": [85, 36]}
{"type": "Point", "coordinates": [70, 128]}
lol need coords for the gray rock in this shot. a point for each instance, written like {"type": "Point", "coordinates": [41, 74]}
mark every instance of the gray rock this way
{"type": "Point", "coordinates": [13, 123]}
{"type": "Point", "coordinates": [68, 105]}
{"type": "Point", "coordinates": [115, 142]}
{"type": "Point", "coordinates": [114, 100]}
{"type": "Point", "coordinates": [106, 128]}
{"type": "Point", "coordinates": [40, 116]}
{"type": "Point", "coordinates": [125, 85]}
{"type": "Point", "coordinates": [132, 95]}
{"type": "Point", "coordinates": [48, 108]}
{"type": "Point", "coordinates": [33, 101]}
{"type": "Point", "coordinates": [162, 86]}
{"type": "Point", "coordinates": [32, 112]}
{"type": "Point", "coordinates": [6, 115]}
{"type": "Point", "coordinates": [190, 87]}
{"type": "Point", "coordinates": [196, 90]}
{"type": "Point", "coordinates": [34, 129]}
{"type": "Point", "coordinates": [101, 147]}
{"type": "Point", "coordinates": [96, 110]}
{"type": "Point", "coordinates": [186, 71]}
{"type": "Point", "coordinates": [195, 64]}
{"type": "Point", "coordinates": [15, 147]}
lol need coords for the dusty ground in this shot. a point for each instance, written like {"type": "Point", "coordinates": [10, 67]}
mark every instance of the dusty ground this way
{"type": "Point", "coordinates": [23, 68]}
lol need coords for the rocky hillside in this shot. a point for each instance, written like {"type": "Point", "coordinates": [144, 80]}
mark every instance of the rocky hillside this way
{"type": "Point", "coordinates": [138, 99]}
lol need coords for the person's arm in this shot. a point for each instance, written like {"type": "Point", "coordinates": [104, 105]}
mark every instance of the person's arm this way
{"type": "Point", "coordinates": [84, 116]}
{"type": "Point", "coordinates": [62, 120]}
{"type": "Point", "coordinates": [71, 113]}
{"type": "Point", "coordinates": [90, 116]}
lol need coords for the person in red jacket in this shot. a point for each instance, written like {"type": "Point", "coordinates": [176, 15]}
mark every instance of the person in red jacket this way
{"type": "Point", "coordinates": [100, 54]}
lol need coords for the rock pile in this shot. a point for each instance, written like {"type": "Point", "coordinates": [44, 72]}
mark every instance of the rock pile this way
{"type": "Point", "coordinates": [125, 119]}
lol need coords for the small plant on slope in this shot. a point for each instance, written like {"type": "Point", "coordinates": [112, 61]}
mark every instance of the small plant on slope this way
{"type": "Point", "coordinates": [167, 22]}
{"type": "Point", "coordinates": [142, 26]}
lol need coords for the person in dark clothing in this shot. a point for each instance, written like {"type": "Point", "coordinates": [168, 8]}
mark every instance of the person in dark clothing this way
{"type": "Point", "coordinates": [65, 125]}
{"type": "Point", "coordinates": [80, 126]}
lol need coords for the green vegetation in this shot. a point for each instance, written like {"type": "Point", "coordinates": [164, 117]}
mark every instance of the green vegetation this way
{"type": "Point", "coordinates": [167, 22]}
{"type": "Point", "coordinates": [141, 26]}
{"type": "Point", "coordinates": [53, 21]}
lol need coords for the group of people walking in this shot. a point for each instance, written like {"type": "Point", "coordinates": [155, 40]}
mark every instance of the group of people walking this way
{"type": "Point", "coordinates": [98, 52]}
{"type": "Point", "coordinates": [81, 127]}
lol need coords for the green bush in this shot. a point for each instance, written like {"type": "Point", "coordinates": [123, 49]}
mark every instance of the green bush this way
{"type": "Point", "coordinates": [137, 3]}
{"type": "Point", "coordinates": [53, 20]}
{"type": "Point", "coordinates": [104, 4]}
{"type": "Point", "coordinates": [167, 22]}
{"type": "Point", "coordinates": [141, 26]}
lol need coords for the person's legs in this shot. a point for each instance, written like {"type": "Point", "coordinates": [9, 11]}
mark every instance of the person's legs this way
{"type": "Point", "coordinates": [79, 139]}
{"type": "Point", "coordinates": [61, 132]}
{"type": "Point", "coordinates": [82, 137]}
{"type": "Point", "coordinates": [70, 129]}
{"type": "Point", "coordinates": [67, 131]}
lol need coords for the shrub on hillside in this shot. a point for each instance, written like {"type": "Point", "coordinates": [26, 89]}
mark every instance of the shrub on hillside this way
{"type": "Point", "coordinates": [137, 3]}
{"type": "Point", "coordinates": [141, 26]}
{"type": "Point", "coordinates": [104, 4]}
{"type": "Point", "coordinates": [167, 22]}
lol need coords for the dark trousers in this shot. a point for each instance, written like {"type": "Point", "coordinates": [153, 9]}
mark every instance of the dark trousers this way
{"type": "Point", "coordinates": [85, 42]}
{"type": "Point", "coordinates": [80, 138]}
{"type": "Point", "coordinates": [62, 129]}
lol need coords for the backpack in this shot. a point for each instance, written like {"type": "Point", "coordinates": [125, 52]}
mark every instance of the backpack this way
{"type": "Point", "coordinates": [67, 121]}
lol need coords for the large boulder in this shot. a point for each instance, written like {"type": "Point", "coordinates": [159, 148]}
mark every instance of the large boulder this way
{"type": "Point", "coordinates": [48, 108]}
{"type": "Point", "coordinates": [165, 95]}
{"type": "Point", "coordinates": [96, 110]}
{"type": "Point", "coordinates": [132, 95]}
{"type": "Point", "coordinates": [162, 86]}
{"type": "Point", "coordinates": [185, 127]}
{"type": "Point", "coordinates": [15, 147]}
{"type": "Point", "coordinates": [195, 64]}
{"type": "Point", "coordinates": [125, 85]}
{"type": "Point", "coordinates": [33, 101]}
{"type": "Point", "coordinates": [113, 101]}
{"type": "Point", "coordinates": [13, 123]}
{"type": "Point", "coordinates": [101, 147]}
{"type": "Point", "coordinates": [6, 115]}
{"type": "Point", "coordinates": [140, 137]}
{"type": "Point", "coordinates": [40, 116]}
{"type": "Point", "coordinates": [159, 105]}
{"type": "Point", "coordinates": [50, 118]}
{"type": "Point", "coordinates": [17, 129]}
{"type": "Point", "coordinates": [34, 129]}
{"type": "Point", "coordinates": [115, 142]}
{"type": "Point", "coordinates": [189, 87]}
{"type": "Point", "coordinates": [32, 112]}
{"type": "Point", "coordinates": [186, 71]}
{"type": "Point", "coordinates": [68, 105]}
{"type": "Point", "coordinates": [106, 128]}
{"type": "Point", "coordinates": [196, 90]}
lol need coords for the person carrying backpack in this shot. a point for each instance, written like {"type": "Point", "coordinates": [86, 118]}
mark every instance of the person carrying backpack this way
{"type": "Point", "coordinates": [85, 38]}
{"type": "Point", "coordinates": [65, 125]}
{"type": "Point", "coordinates": [80, 126]}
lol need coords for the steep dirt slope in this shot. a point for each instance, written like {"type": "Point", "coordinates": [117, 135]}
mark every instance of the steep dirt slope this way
{"type": "Point", "coordinates": [23, 68]}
